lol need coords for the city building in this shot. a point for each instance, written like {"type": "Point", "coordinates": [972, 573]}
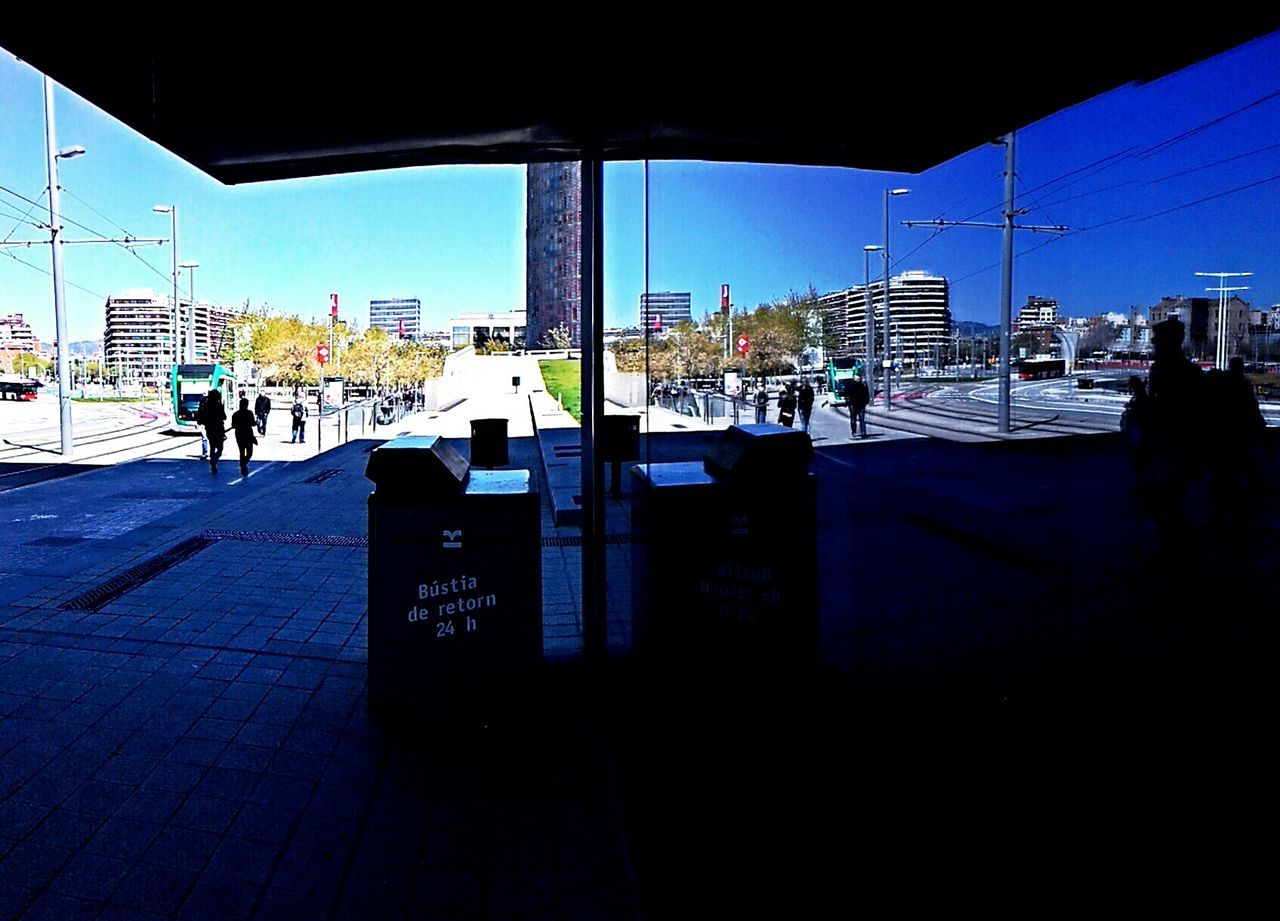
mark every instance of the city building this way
{"type": "Point", "coordinates": [17, 335]}
{"type": "Point", "coordinates": [673, 306]}
{"type": "Point", "coordinates": [1199, 316]}
{"type": "Point", "coordinates": [508, 327]}
{"type": "Point", "coordinates": [400, 317]}
{"type": "Point", "coordinates": [919, 319]}
{"type": "Point", "coordinates": [138, 333]}
{"type": "Point", "coordinates": [553, 249]}
{"type": "Point", "coordinates": [1037, 312]}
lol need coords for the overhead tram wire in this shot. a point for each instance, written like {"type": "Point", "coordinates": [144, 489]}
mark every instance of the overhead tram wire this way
{"type": "Point", "coordinates": [29, 265]}
{"type": "Point", "coordinates": [1139, 153]}
{"type": "Point", "coordinates": [23, 219]}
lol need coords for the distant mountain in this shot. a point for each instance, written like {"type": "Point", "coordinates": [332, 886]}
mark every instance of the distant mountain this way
{"type": "Point", "coordinates": [85, 349]}
{"type": "Point", "coordinates": [974, 328]}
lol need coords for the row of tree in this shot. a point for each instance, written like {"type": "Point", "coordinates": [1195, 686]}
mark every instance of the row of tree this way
{"type": "Point", "coordinates": [284, 350]}
{"type": "Point", "coordinates": [782, 336]}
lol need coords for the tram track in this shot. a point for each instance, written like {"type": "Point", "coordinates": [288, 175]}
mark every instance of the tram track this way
{"type": "Point", "coordinates": [34, 473]}
{"type": "Point", "coordinates": [1048, 421]}
{"type": "Point", "coordinates": [12, 449]}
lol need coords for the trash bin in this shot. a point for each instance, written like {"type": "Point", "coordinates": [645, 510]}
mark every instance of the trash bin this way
{"type": "Point", "coordinates": [489, 442]}
{"type": "Point", "coordinates": [619, 441]}
{"type": "Point", "coordinates": [455, 584]}
{"type": "Point", "coordinates": [724, 561]}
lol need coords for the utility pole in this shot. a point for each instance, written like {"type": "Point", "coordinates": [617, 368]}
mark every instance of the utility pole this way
{"type": "Point", "coordinates": [1006, 263]}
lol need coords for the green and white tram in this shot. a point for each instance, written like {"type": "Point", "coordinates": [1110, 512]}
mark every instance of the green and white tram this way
{"type": "Point", "coordinates": [190, 383]}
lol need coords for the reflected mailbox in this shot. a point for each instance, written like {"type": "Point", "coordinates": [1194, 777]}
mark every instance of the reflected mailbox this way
{"type": "Point", "coordinates": [724, 557]}
{"type": "Point", "coordinates": [455, 582]}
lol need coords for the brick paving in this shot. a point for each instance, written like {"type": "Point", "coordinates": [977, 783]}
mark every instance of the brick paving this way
{"type": "Point", "coordinates": [198, 746]}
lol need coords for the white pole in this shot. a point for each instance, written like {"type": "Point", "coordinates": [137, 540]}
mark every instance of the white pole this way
{"type": "Point", "coordinates": [59, 295]}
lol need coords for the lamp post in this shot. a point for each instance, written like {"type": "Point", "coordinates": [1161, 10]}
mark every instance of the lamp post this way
{"type": "Point", "coordinates": [1222, 289]}
{"type": "Point", "coordinates": [191, 320]}
{"type": "Point", "coordinates": [59, 289]}
{"type": "Point", "coordinates": [172, 211]}
{"type": "Point", "coordinates": [870, 340]}
{"type": "Point", "coordinates": [888, 352]}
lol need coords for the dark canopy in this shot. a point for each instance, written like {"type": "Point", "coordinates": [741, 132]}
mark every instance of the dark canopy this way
{"type": "Point", "coordinates": [247, 100]}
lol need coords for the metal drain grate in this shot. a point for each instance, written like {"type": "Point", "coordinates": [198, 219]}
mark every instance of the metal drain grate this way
{"type": "Point", "coordinates": [280, 537]}
{"type": "Point", "coordinates": [577, 541]}
{"type": "Point", "coordinates": [321, 476]}
{"type": "Point", "coordinates": [130, 579]}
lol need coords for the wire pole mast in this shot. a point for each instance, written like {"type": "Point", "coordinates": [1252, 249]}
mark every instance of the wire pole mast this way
{"type": "Point", "coordinates": [1006, 264]}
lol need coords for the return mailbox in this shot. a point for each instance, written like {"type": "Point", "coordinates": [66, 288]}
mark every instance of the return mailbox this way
{"type": "Point", "coordinates": [724, 559]}
{"type": "Point", "coordinates": [455, 583]}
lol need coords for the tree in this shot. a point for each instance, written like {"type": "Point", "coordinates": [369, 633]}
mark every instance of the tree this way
{"type": "Point", "coordinates": [283, 348]}
{"type": "Point", "coordinates": [28, 364]}
{"type": "Point", "coordinates": [628, 354]}
{"type": "Point", "coordinates": [557, 337]}
{"type": "Point", "coordinates": [1098, 338]}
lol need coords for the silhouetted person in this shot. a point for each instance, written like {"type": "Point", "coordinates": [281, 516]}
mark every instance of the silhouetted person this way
{"type": "Point", "coordinates": [786, 406]}
{"type": "Point", "coordinates": [857, 396]}
{"type": "Point", "coordinates": [805, 402]}
{"type": "Point", "coordinates": [262, 409]}
{"type": "Point", "coordinates": [213, 416]}
{"type": "Point", "coordinates": [1175, 422]}
{"type": "Point", "coordinates": [299, 415]}
{"type": "Point", "coordinates": [1234, 441]}
{"type": "Point", "coordinates": [1134, 423]}
{"type": "Point", "coordinates": [762, 404]}
{"type": "Point", "coordinates": [243, 423]}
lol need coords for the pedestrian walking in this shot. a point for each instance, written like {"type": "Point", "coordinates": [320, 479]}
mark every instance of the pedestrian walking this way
{"type": "Point", "coordinates": [243, 423]}
{"type": "Point", "coordinates": [299, 414]}
{"type": "Point", "coordinates": [762, 404]}
{"type": "Point", "coordinates": [204, 439]}
{"type": "Point", "coordinates": [857, 396]}
{"type": "Point", "coordinates": [261, 409]}
{"type": "Point", "coordinates": [805, 403]}
{"type": "Point", "coordinates": [213, 416]}
{"type": "Point", "coordinates": [786, 406]}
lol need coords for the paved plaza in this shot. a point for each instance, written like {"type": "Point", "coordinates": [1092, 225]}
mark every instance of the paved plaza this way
{"type": "Point", "coordinates": [1005, 640]}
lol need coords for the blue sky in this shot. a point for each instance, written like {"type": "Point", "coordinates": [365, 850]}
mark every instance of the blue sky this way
{"type": "Point", "coordinates": [454, 236]}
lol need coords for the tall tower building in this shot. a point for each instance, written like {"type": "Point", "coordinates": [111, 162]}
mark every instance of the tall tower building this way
{"type": "Point", "coordinates": [553, 249]}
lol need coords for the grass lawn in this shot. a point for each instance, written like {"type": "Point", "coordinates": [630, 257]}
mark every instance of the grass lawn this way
{"type": "Point", "coordinates": [564, 380]}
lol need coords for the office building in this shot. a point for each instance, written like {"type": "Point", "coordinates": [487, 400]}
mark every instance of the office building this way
{"type": "Point", "coordinates": [673, 306]}
{"type": "Point", "coordinates": [400, 317]}
{"type": "Point", "coordinates": [919, 319]}
{"type": "Point", "coordinates": [553, 249]}
{"type": "Point", "coordinates": [508, 327]}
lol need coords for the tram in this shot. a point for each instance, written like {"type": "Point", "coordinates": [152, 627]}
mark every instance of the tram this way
{"type": "Point", "coordinates": [190, 383]}
{"type": "Point", "coordinates": [840, 370]}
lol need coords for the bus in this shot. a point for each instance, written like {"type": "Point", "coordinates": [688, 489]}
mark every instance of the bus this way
{"type": "Point", "coordinates": [1038, 369]}
{"type": "Point", "coordinates": [190, 383]}
{"type": "Point", "coordinates": [840, 370]}
{"type": "Point", "coordinates": [14, 387]}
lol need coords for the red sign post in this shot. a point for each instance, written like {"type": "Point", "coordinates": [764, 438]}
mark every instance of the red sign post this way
{"type": "Point", "coordinates": [743, 344]}
{"type": "Point", "coordinates": [322, 354]}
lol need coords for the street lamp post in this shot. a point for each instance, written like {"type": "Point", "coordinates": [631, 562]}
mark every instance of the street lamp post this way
{"type": "Point", "coordinates": [870, 341]}
{"type": "Point", "coordinates": [1220, 356]}
{"type": "Point", "coordinates": [888, 352]}
{"type": "Point", "coordinates": [172, 211]}
{"type": "Point", "coordinates": [191, 320]}
{"type": "Point", "coordinates": [59, 289]}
